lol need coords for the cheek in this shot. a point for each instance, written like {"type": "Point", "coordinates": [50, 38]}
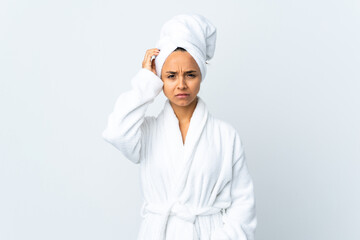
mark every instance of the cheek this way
{"type": "Point", "coordinates": [195, 86]}
{"type": "Point", "coordinates": [168, 86]}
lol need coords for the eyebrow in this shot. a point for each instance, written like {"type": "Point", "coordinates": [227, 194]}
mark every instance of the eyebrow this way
{"type": "Point", "coordinates": [172, 72]}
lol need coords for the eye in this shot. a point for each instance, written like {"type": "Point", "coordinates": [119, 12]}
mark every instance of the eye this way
{"type": "Point", "coordinates": [191, 75]}
{"type": "Point", "coordinates": [171, 76]}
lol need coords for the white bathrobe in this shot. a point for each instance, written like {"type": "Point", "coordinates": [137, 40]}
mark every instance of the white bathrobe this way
{"type": "Point", "coordinates": [198, 190]}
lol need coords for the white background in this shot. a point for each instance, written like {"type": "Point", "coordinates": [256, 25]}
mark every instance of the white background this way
{"type": "Point", "coordinates": [285, 74]}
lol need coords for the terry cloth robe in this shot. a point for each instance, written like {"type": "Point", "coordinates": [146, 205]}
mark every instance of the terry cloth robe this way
{"type": "Point", "coordinates": [198, 190]}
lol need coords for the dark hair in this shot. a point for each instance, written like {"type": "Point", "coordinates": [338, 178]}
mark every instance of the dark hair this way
{"type": "Point", "coordinates": [184, 50]}
{"type": "Point", "coordinates": [180, 49]}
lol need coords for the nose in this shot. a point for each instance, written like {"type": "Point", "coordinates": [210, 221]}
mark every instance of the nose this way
{"type": "Point", "coordinates": [182, 83]}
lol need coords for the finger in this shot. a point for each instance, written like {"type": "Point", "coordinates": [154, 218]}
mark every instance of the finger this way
{"type": "Point", "coordinates": [150, 56]}
{"type": "Point", "coordinates": [147, 61]}
{"type": "Point", "coordinates": [152, 50]}
{"type": "Point", "coordinates": [147, 57]}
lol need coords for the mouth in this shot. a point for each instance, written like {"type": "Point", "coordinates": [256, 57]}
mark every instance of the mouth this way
{"type": "Point", "coordinates": [182, 95]}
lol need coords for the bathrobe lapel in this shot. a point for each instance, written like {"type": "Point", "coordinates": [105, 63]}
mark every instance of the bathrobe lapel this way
{"type": "Point", "coordinates": [181, 155]}
{"type": "Point", "coordinates": [178, 159]}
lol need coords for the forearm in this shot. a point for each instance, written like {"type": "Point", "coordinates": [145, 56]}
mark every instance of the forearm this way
{"type": "Point", "coordinates": [124, 128]}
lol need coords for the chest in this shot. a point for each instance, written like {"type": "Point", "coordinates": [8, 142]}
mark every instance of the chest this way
{"type": "Point", "coordinates": [184, 129]}
{"type": "Point", "coordinates": [169, 159]}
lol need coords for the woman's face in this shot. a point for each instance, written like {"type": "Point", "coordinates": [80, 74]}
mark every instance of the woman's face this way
{"type": "Point", "coordinates": [181, 75]}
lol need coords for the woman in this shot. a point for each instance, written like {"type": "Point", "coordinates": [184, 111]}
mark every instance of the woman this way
{"type": "Point", "coordinates": [194, 175]}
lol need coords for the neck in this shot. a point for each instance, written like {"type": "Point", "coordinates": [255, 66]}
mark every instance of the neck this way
{"type": "Point", "coordinates": [184, 114]}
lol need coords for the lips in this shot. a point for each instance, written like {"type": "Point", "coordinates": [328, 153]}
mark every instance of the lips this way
{"type": "Point", "coordinates": [182, 94]}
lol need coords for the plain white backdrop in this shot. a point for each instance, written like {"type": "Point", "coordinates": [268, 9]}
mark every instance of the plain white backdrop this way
{"type": "Point", "coordinates": [285, 74]}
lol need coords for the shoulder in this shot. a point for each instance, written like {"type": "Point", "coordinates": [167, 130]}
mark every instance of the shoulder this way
{"type": "Point", "coordinates": [228, 132]}
{"type": "Point", "coordinates": [148, 124]}
{"type": "Point", "coordinates": [225, 127]}
{"type": "Point", "coordinates": [150, 120]}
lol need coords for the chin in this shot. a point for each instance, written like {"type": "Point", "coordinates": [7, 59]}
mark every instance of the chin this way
{"type": "Point", "coordinates": [182, 102]}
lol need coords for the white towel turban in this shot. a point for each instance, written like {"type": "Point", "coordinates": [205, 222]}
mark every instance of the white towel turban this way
{"type": "Point", "coordinates": [190, 31]}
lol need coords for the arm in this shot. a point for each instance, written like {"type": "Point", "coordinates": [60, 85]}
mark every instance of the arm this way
{"type": "Point", "coordinates": [240, 217]}
{"type": "Point", "coordinates": [126, 126]}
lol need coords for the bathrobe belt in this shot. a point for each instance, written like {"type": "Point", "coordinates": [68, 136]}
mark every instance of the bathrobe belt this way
{"type": "Point", "coordinates": [181, 211]}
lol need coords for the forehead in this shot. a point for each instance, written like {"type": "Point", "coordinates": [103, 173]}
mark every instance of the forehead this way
{"type": "Point", "coordinates": [180, 59]}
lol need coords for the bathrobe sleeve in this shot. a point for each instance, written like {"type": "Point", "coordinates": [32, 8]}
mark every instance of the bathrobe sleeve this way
{"type": "Point", "coordinates": [239, 218]}
{"type": "Point", "coordinates": [127, 125]}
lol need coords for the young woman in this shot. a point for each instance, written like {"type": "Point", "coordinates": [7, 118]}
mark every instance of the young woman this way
{"type": "Point", "coordinates": [194, 176]}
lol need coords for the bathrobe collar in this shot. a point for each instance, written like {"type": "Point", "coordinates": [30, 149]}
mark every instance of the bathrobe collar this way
{"type": "Point", "coordinates": [181, 155]}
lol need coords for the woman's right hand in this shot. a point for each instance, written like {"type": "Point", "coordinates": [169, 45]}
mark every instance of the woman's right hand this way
{"type": "Point", "coordinates": [147, 62]}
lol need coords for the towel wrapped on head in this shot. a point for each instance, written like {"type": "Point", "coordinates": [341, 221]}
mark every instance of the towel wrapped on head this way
{"type": "Point", "coordinates": [192, 32]}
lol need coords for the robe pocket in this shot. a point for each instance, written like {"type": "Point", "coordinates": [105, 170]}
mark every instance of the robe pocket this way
{"type": "Point", "coordinates": [219, 233]}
